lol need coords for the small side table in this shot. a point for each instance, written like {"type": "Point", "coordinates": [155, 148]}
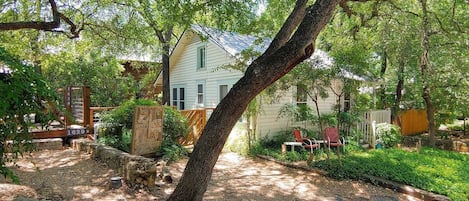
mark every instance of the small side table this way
{"type": "Point", "coordinates": [292, 144]}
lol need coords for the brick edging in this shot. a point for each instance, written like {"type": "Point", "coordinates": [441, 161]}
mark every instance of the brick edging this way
{"type": "Point", "coordinates": [398, 187]}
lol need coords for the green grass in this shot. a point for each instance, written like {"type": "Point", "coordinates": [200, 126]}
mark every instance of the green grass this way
{"type": "Point", "coordinates": [438, 171]}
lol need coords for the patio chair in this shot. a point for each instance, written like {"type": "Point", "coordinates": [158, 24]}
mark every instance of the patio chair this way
{"type": "Point", "coordinates": [308, 143]}
{"type": "Point", "coordinates": [331, 135]}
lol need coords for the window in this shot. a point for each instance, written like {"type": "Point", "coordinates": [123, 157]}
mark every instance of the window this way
{"type": "Point", "coordinates": [301, 96]}
{"type": "Point", "coordinates": [179, 101]}
{"type": "Point", "coordinates": [347, 101]}
{"type": "Point", "coordinates": [175, 97]}
{"type": "Point", "coordinates": [201, 57]}
{"type": "Point", "coordinates": [223, 90]}
{"type": "Point", "coordinates": [200, 94]}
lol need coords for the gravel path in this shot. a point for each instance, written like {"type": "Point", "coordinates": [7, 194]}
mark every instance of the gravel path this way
{"type": "Point", "coordinates": [70, 175]}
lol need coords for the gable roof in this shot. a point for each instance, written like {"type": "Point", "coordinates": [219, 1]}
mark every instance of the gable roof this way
{"type": "Point", "coordinates": [233, 43]}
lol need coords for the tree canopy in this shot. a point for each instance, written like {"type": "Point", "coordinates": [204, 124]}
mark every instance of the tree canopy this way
{"type": "Point", "coordinates": [414, 53]}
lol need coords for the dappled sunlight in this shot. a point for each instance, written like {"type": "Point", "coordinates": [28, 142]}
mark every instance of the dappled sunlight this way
{"type": "Point", "coordinates": [68, 175]}
{"type": "Point", "coordinates": [239, 178]}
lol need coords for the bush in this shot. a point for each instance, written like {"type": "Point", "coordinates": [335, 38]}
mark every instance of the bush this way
{"type": "Point", "coordinates": [277, 140]}
{"type": "Point", "coordinates": [118, 133]}
{"type": "Point", "coordinates": [23, 91]}
{"type": "Point", "coordinates": [173, 151]}
{"type": "Point", "coordinates": [121, 142]}
{"type": "Point", "coordinates": [124, 114]}
{"type": "Point", "coordinates": [174, 127]}
{"type": "Point", "coordinates": [390, 135]}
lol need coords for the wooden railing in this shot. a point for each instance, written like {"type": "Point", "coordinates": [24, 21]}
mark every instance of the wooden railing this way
{"type": "Point", "coordinates": [196, 120]}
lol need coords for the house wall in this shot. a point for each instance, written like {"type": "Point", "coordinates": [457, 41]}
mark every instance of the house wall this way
{"type": "Point", "coordinates": [184, 73]}
{"type": "Point", "coordinates": [268, 123]}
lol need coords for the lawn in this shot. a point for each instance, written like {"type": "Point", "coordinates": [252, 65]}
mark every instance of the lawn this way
{"type": "Point", "coordinates": [438, 171]}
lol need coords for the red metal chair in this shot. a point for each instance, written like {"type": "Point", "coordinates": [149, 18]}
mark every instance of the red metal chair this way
{"type": "Point", "coordinates": [307, 143]}
{"type": "Point", "coordinates": [331, 135]}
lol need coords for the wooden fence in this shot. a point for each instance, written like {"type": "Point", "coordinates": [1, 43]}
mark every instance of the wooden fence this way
{"type": "Point", "coordinates": [196, 120]}
{"type": "Point", "coordinates": [413, 121]}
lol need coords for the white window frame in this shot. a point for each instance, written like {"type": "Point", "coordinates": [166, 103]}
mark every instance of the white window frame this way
{"type": "Point", "coordinates": [300, 99]}
{"type": "Point", "coordinates": [200, 94]}
{"type": "Point", "coordinates": [201, 57]}
{"type": "Point", "coordinates": [228, 83]}
{"type": "Point", "coordinates": [176, 100]}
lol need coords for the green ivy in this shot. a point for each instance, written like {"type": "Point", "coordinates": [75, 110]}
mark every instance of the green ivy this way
{"type": "Point", "coordinates": [434, 170]}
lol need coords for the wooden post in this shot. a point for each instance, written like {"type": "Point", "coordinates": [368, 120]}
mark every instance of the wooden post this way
{"type": "Point", "coordinates": [284, 149]}
{"type": "Point", "coordinates": [86, 108]}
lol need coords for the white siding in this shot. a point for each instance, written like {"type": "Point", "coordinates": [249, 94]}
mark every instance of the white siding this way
{"type": "Point", "coordinates": [268, 124]}
{"type": "Point", "coordinates": [184, 72]}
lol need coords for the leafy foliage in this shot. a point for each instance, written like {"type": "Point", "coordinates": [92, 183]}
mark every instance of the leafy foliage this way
{"type": "Point", "coordinates": [174, 127]}
{"type": "Point", "coordinates": [124, 114]}
{"type": "Point", "coordinates": [23, 91]}
{"type": "Point", "coordinates": [118, 133]}
{"type": "Point", "coordinates": [102, 74]}
{"type": "Point", "coordinates": [434, 170]}
{"type": "Point", "coordinates": [389, 134]}
{"type": "Point", "coordinates": [121, 141]}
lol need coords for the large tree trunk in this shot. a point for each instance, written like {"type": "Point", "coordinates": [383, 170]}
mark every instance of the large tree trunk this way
{"type": "Point", "coordinates": [424, 67]}
{"type": "Point", "coordinates": [165, 71]}
{"type": "Point", "coordinates": [278, 60]}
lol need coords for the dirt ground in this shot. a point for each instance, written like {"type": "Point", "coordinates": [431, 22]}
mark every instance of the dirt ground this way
{"type": "Point", "coordinates": [70, 175]}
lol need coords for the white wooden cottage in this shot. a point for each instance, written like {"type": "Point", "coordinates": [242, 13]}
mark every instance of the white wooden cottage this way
{"type": "Point", "coordinates": [197, 81]}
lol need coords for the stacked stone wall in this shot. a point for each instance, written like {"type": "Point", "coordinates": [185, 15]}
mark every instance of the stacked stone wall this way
{"type": "Point", "coordinates": [137, 171]}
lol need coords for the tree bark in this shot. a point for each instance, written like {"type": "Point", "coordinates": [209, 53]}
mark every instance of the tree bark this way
{"type": "Point", "coordinates": [260, 74]}
{"type": "Point", "coordinates": [382, 93]}
{"type": "Point", "coordinates": [399, 87]}
{"type": "Point", "coordinates": [165, 38]}
{"type": "Point", "coordinates": [424, 67]}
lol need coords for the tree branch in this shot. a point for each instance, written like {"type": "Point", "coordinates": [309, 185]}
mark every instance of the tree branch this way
{"type": "Point", "coordinates": [43, 25]}
{"type": "Point", "coordinates": [293, 20]}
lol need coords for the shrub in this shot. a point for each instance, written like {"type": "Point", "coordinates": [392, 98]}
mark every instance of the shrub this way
{"type": "Point", "coordinates": [277, 140]}
{"type": "Point", "coordinates": [174, 124]}
{"type": "Point", "coordinates": [124, 114]}
{"type": "Point", "coordinates": [174, 127]}
{"type": "Point", "coordinates": [390, 135]}
{"type": "Point", "coordinates": [118, 134]}
{"type": "Point", "coordinates": [172, 151]}
{"type": "Point", "coordinates": [119, 142]}
{"type": "Point", "coordinates": [23, 91]}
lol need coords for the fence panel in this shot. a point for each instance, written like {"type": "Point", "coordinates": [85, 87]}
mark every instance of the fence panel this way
{"type": "Point", "coordinates": [413, 122]}
{"type": "Point", "coordinates": [196, 120]}
{"type": "Point", "coordinates": [366, 126]}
